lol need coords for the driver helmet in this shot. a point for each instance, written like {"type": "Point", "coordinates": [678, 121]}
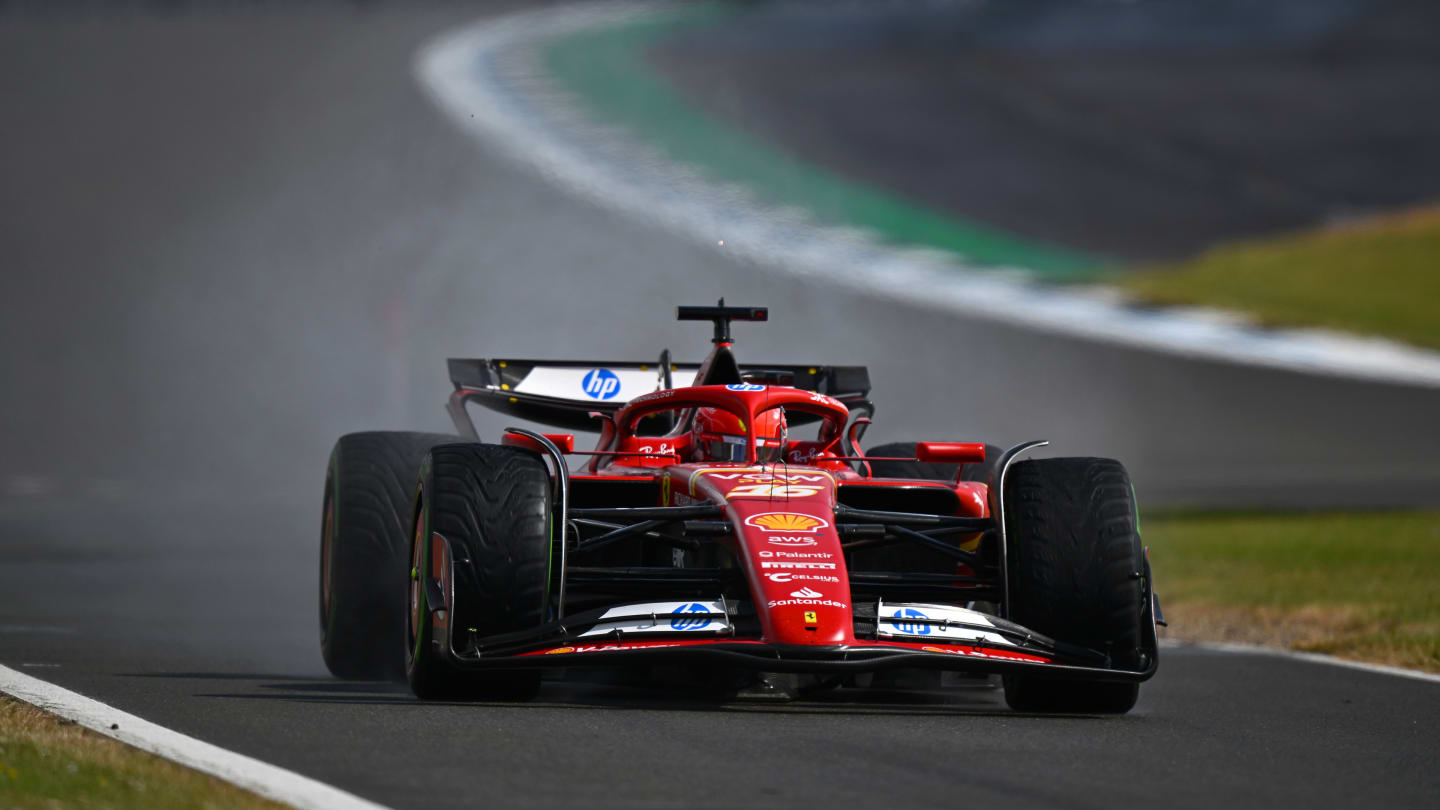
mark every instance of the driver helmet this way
{"type": "Point", "coordinates": [720, 435]}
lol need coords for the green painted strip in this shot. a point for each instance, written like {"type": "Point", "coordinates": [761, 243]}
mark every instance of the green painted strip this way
{"type": "Point", "coordinates": [606, 68]}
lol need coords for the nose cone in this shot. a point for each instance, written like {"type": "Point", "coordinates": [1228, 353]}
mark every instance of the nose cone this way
{"type": "Point", "coordinates": [797, 573]}
{"type": "Point", "coordinates": [786, 540]}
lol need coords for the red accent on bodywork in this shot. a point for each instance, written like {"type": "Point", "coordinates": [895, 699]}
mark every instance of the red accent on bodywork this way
{"type": "Point", "coordinates": [618, 646]}
{"type": "Point", "coordinates": [564, 441]}
{"type": "Point", "coordinates": [959, 650]}
{"type": "Point", "coordinates": [973, 498]}
{"type": "Point", "coordinates": [950, 452]}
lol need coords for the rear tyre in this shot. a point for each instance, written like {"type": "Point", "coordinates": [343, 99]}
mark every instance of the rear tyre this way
{"type": "Point", "coordinates": [979, 471]}
{"type": "Point", "coordinates": [1075, 562]}
{"type": "Point", "coordinates": [486, 512]}
{"type": "Point", "coordinates": [364, 537]}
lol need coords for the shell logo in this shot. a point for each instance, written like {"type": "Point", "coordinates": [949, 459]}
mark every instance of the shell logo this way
{"type": "Point", "coordinates": [786, 522]}
{"type": "Point", "coordinates": [560, 650]}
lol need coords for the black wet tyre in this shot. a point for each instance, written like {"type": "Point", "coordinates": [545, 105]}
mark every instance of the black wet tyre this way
{"type": "Point", "coordinates": [928, 470]}
{"type": "Point", "coordinates": [364, 539]}
{"type": "Point", "coordinates": [492, 505]}
{"type": "Point", "coordinates": [1075, 561]}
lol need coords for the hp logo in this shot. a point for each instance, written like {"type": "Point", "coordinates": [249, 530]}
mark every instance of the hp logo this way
{"type": "Point", "coordinates": [691, 622]}
{"type": "Point", "coordinates": [910, 628]}
{"type": "Point", "coordinates": [600, 383]}
{"type": "Point", "coordinates": [745, 387]}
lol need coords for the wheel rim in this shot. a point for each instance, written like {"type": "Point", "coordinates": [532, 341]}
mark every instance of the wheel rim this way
{"type": "Point", "coordinates": [415, 560]}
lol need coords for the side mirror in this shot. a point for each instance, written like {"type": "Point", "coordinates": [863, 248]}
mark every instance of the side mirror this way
{"type": "Point", "coordinates": [564, 441]}
{"type": "Point", "coordinates": [950, 452]}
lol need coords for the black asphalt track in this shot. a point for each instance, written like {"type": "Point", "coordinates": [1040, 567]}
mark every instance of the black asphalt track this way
{"type": "Point", "coordinates": [201, 618]}
{"type": "Point", "coordinates": [229, 237]}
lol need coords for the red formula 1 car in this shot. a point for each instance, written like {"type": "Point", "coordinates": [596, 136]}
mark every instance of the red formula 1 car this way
{"type": "Point", "coordinates": [734, 523]}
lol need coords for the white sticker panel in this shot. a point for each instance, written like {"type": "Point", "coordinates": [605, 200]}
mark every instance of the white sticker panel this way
{"type": "Point", "coordinates": [910, 620]}
{"type": "Point", "coordinates": [614, 384]}
{"type": "Point", "coordinates": [695, 617]}
{"type": "Point", "coordinates": [598, 384]}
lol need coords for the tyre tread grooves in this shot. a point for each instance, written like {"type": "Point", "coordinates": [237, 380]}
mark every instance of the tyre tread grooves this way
{"type": "Point", "coordinates": [374, 474]}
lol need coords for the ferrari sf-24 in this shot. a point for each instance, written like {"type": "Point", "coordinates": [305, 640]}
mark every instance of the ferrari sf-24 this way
{"type": "Point", "coordinates": [729, 524]}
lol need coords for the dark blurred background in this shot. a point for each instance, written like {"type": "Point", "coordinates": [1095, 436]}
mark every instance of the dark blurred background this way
{"type": "Point", "coordinates": [233, 231]}
{"type": "Point", "coordinates": [1139, 130]}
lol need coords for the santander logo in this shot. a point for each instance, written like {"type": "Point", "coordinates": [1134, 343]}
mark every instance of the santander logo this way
{"type": "Point", "coordinates": [806, 593]}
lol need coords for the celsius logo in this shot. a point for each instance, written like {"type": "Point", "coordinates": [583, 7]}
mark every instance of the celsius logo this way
{"type": "Point", "coordinates": [691, 622]}
{"type": "Point", "coordinates": [912, 627]}
{"type": "Point", "coordinates": [745, 387]}
{"type": "Point", "coordinates": [806, 593]}
{"type": "Point", "coordinates": [787, 522]}
{"type": "Point", "coordinates": [600, 383]}
{"type": "Point", "coordinates": [786, 576]}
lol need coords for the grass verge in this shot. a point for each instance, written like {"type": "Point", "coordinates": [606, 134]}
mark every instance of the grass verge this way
{"type": "Point", "coordinates": [47, 762]}
{"type": "Point", "coordinates": [1376, 276]}
{"type": "Point", "coordinates": [1357, 585]}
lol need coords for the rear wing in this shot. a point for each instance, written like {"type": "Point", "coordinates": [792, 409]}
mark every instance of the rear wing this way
{"type": "Point", "coordinates": [564, 393]}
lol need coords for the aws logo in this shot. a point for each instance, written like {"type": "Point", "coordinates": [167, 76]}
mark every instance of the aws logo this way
{"type": "Point", "coordinates": [788, 522]}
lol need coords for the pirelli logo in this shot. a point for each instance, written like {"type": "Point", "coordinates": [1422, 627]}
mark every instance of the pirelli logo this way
{"type": "Point", "coordinates": [789, 564]}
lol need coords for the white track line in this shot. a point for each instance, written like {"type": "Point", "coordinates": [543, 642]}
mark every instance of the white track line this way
{"type": "Point", "coordinates": [487, 76]}
{"type": "Point", "coordinates": [1308, 657]}
{"type": "Point", "coordinates": [251, 774]}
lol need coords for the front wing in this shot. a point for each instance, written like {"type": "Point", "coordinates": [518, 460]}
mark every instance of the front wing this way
{"type": "Point", "coordinates": [599, 639]}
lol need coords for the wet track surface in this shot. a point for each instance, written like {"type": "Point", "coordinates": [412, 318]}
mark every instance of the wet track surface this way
{"type": "Point", "coordinates": [229, 239]}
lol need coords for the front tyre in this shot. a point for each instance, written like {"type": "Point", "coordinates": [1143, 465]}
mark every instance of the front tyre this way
{"type": "Point", "coordinates": [364, 536]}
{"type": "Point", "coordinates": [1075, 566]}
{"type": "Point", "coordinates": [480, 541]}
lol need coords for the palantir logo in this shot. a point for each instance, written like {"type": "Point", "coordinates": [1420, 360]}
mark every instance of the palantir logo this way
{"type": "Point", "coordinates": [691, 622]}
{"type": "Point", "coordinates": [911, 628]}
{"type": "Point", "coordinates": [600, 383]}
